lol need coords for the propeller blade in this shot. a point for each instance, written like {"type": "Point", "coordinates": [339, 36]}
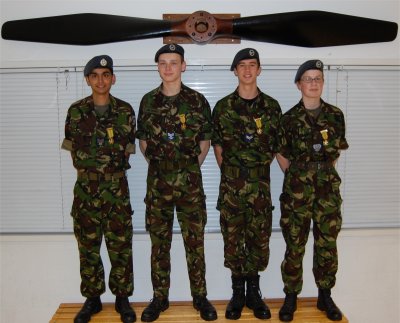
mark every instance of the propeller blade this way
{"type": "Point", "coordinates": [314, 29]}
{"type": "Point", "coordinates": [84, 29]}
{"type": "Point", "coordinates": [303, 28]}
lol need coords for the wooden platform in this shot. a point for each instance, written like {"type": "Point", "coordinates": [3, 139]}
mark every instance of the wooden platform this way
{"type": "Point", "coordinates": [183, 312]}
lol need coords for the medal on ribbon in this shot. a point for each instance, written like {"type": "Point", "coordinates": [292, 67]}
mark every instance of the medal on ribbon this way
{"type": "Point", "coordinates": [258, 125]}
{"type": "Point", "coordinates": [110, 134]}
{"type": "Point", "coordinates": [324, 134]}
{"type": "Point", "coordinates": [182, 118]}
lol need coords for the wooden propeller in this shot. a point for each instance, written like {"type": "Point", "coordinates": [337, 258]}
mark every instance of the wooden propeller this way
{"type": "Point", "coordinates": [301, 28]}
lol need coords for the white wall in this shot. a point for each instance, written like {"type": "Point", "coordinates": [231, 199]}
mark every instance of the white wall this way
{"type": "Point", "coordinates": [38, 272]}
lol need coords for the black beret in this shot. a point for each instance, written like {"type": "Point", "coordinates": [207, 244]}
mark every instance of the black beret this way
{"type": "Point", "coordinates": [246, 53]}
{"type": "Point", "coordinates": [314, 64]}
{"type": "Point", "coordinates": [102, 61]}
{"type": "Point", "coordinates": [170, 48]}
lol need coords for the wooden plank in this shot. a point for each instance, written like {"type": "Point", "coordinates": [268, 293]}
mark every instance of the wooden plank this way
{"type": "Point", "coordinates": [183, 312]}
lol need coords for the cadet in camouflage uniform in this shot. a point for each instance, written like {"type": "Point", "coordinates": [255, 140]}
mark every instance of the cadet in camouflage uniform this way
{"type": "Point", "coordinates": [245, 141]}
{"type": "Point", "coordinates": [313, 133]}
{"type": "Point", "coordinates": [174, 131]}
{"type": "Point", "coordinates": [100, 134]}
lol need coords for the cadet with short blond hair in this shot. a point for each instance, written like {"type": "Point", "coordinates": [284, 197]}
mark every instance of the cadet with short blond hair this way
{"type": "Point", "coordinates": [174, 132]}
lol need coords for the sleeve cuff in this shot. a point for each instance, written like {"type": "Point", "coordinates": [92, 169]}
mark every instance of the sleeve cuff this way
{"type": "Point", "coordinates": [130, 148]}
{"type": "Point", "coordinates": [343, 144]}
{"type": "Point", "coordinates": [66, 144]}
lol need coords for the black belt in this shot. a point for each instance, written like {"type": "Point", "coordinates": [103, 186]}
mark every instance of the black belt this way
{"type": "Point", "coordinates": [246, 172]}
{"type": "Point", "coordinates": [174, 164]}
{"type": "Point", "coordinates": [99, 176]}
{"type": "Point", "coordinates": [324, 165]}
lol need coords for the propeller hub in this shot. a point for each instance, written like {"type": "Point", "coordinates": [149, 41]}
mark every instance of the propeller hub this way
{"type": "Point", "coordinates": [201, 26]}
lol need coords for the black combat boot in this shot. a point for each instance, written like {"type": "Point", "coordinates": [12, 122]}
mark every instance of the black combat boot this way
{"type": "Point", "coordinates": [326, 303]}
{"type": "Point", "coordinates": [153, 310]}
{"type": "Point", "coordinates": [91, 306]}
{"type": "Point", "coordinates": [238, 300]}
{"type": "Point", "coordinates": [123, 307]}
{"type": "Point", "coordinates": [254, 299]}
{"type": "Point", "coordinates": [207, 311]}
{"type": "Point", "coordinates": [288, 308]}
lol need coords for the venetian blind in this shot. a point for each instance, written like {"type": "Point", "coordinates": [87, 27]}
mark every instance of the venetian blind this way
{"type": "Point", "coordinates": [37, 177]}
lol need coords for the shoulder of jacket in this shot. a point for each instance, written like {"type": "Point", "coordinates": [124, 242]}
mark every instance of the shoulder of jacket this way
{"type": "Point", "coordinates": [121, 103]}
{"type": "Point", "coordinates": [81, 104]}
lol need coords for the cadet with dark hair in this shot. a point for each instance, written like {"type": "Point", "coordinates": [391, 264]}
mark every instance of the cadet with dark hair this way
{"type": "Point", "coordinates": [245, 142]}
{"type": "Point", "coordinates": [100, 134]}
{"type": "Point", "coordinates": [174, 132]}
{"type": "Point", "coordinates": [312, 135]}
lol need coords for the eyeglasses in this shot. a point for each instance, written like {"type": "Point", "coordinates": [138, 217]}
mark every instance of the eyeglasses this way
{"type": "Point", "coordinates": [309, 79]}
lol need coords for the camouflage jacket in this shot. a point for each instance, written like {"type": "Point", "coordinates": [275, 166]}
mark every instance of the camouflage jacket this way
{"type": "Point", "coordinates": [246, 132]}
{"type": "Point", "coordinates": [100, 144]}
{"type": "Point", "coordinates": [174, 126]}
{"type": "Point", "coordinates": [305, 139]}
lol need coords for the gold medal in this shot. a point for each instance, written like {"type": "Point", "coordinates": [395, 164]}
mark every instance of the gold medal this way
{"type": "Point", "coordinates": [259, 125]}
{"type": "Point", "coordinates": [110, 134]}
{"type": "Point", "coordinates": [182, 118]}
{"type": "Point", "coordinates": [324, 134]}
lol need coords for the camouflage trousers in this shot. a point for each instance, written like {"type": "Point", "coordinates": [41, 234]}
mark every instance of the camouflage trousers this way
{"type": "Point", "coordinates": [246, 222]}
{"type": "Point", "coordinates": [102, 208]}
{"type": "Point", "coordinates": [310, 196]}
{"type": "Point", "coordinates": [181, 189]}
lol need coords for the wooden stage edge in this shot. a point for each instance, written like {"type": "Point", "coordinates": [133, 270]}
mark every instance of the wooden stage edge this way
{"type": "Point", "coordinates": [183, 312]}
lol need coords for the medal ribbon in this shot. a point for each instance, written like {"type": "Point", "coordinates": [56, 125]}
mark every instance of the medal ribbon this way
{"type": "Point", "coordinates": [258, 125]}
{"type": "Point", "coordinates": [182, 118]}
{"type": "Point", "coordinates": [110, 134]}
{"type": "Point", "coordinates": [325, 136]}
